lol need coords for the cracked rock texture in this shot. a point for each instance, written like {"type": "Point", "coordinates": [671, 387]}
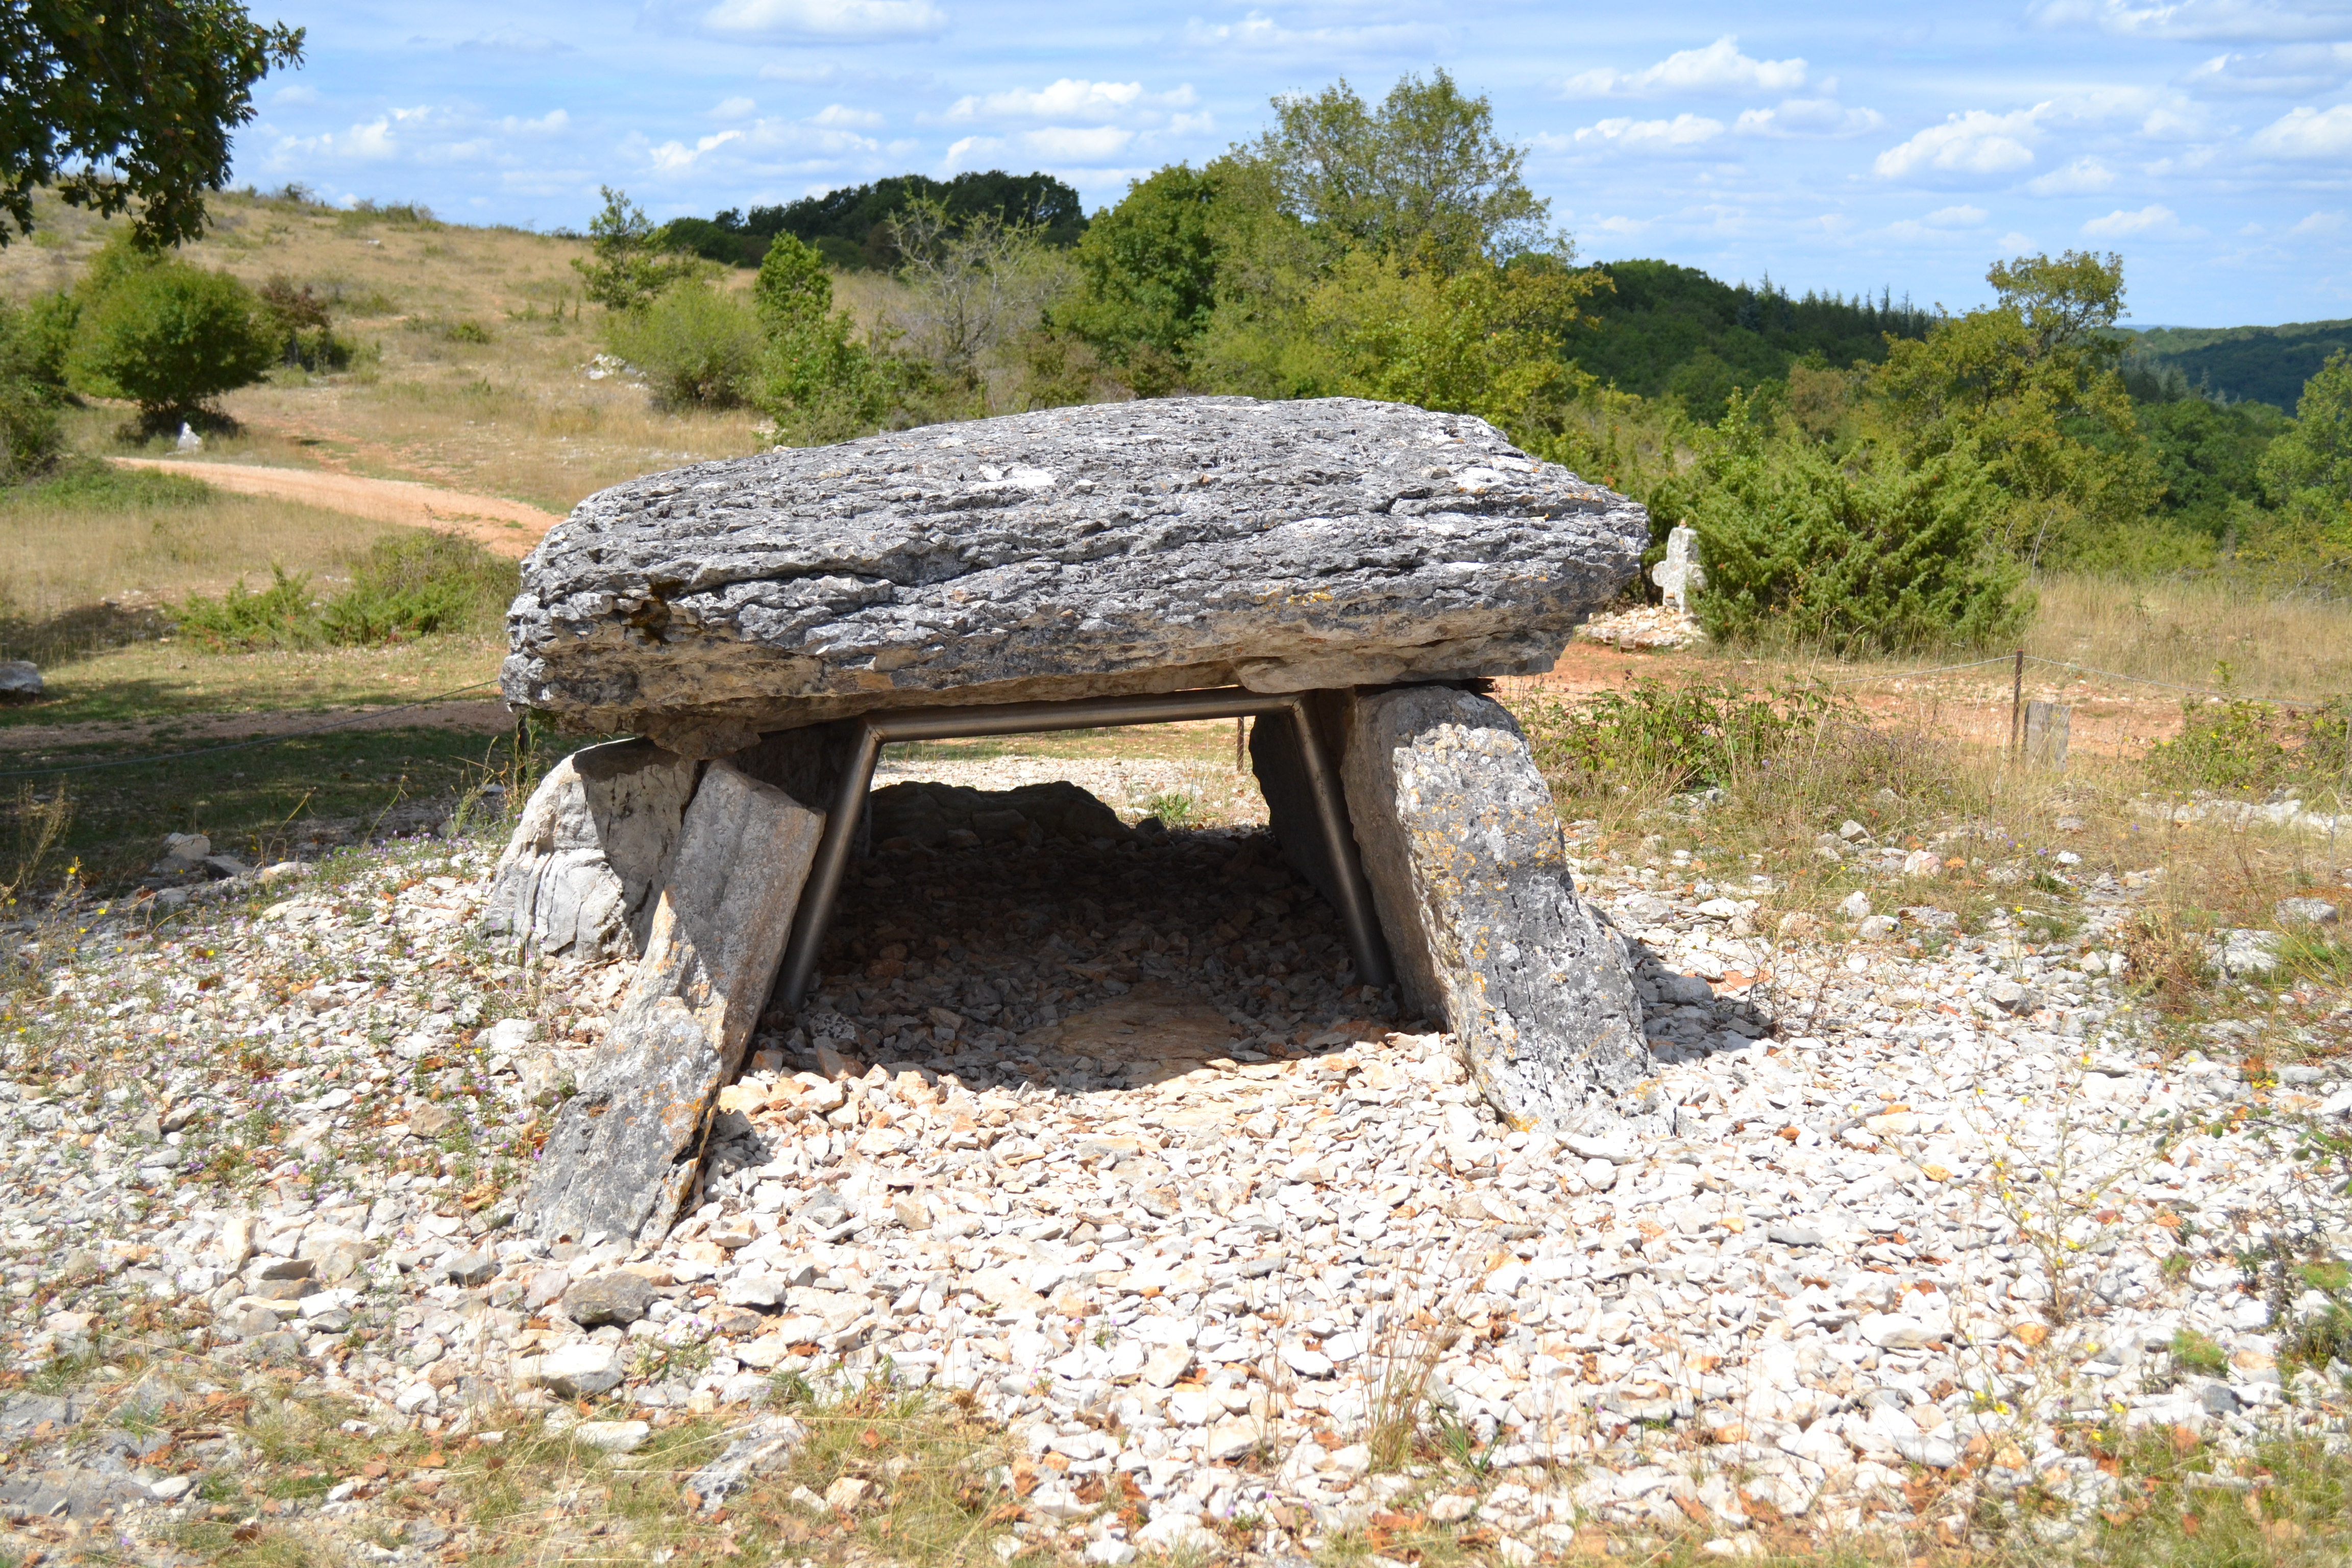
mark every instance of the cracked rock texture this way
{"type": "Point", "coordinates": [580, 877]}
{"type": "Point", "coordinates": [1471, 875]}
{"type": "Point", "coordinates": [1123, 548]}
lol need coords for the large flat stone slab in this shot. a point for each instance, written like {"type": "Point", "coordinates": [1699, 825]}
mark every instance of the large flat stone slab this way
{"type": "Point", "coordinates": [1114, 549]}
{"type": "Point", "coordinates": [624, 1149]}
{"type": "Point", "coordinates": [1470, 873]}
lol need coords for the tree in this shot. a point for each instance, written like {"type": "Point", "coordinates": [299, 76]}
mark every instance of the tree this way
{"type": "Point", "coordinates": [973, 287]}
{"type": "Point", "coordinates": [1147, 272]}
{"type": "Point", "coordinates": [2029, 383]}
{"type": "Point", "coordinates": [29, 402]}
{"type": "Point", "coordinates": [630, 262]}
{"type": "Point", "coordinates": [2316, 454]}
{"type": "Point", "coordinates": [170, 338]}
{"type": "Point", "coordinates": [699, 346]}
{"type": "Point", "coordinates": [1424, 171]}
{"type": "Point", "coordinates": [816, 384]}
{"type": "Point", "coordinates": [111, 103]}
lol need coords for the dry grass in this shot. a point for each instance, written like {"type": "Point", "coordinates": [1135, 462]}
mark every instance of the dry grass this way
{"type": "Point", "coordinates": [475, 354]}
{"type": "Point", "coordinates": [2186, 631]}
{"type": "Point", "coordinates": [59, 556]}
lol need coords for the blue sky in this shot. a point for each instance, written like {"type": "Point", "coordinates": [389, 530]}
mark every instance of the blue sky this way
{"type": "Point", "coordinates": [1836, 145]}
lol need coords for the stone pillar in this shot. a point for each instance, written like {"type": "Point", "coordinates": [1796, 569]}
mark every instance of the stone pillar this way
{"type": "Point", "coordinates": [1281, 773]}
{"type": "Point", "coordinates": [1470, 873]}
{"type": "Point", "coordinates": [581, 874]}
{"type": "Point", "coordinates": [623, 1150]}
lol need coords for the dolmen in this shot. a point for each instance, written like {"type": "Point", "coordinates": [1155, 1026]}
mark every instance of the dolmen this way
{"type": "Point", "coordinates": [742, 617]}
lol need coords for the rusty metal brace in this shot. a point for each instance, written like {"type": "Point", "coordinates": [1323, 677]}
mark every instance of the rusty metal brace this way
{"type": "Point", "coordinates": [876, 730]}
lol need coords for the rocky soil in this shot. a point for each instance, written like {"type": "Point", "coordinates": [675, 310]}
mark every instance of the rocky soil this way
{"type": "Point", "coordinates": [1108, 1140]}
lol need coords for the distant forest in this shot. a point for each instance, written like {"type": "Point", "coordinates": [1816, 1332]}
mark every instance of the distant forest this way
{"type": "Point", "coordinates": [850, 227]}
{"type": "Point", "coordinates": [2242, 364]}
{"type": "Point", "coordinates": [1663, 331]}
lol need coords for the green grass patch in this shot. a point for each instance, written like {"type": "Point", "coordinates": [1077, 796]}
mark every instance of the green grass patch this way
{"type": "Point", "coordinates": [408, 586]}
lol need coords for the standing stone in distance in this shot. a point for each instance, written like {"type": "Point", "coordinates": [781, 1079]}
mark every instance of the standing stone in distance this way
{"type": "Point", "coordinates": [1111, 550]}
{"type": "Point", "coordinates": [1470, 873]}
{"type": "Point", "coordinates": [624, 1149]}
{"type": "Point", "coordinates": [581, 874]}
{"type": "Point", "coordinates": [20, 680]}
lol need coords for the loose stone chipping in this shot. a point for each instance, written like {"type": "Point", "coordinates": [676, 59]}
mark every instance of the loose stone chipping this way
{"type": "Point", "coordinates": [580, 876]}
{"type": "Point", "coordinates": [1470, 872]}
{"type": "Point", "coordinates": [1117, 549]}
{"type": "Point", "coordinates": [623, 1150]}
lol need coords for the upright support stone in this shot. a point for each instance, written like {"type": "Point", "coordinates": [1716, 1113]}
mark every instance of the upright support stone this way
{"type": "Point", "coordinates": [1470, 873]}
{"type": "Point", "coordinates": [623, 1150]}
{"type": "Point", "coordinates": [1281, 770]}
{"type": "Point", "coordinates": [581, 875]}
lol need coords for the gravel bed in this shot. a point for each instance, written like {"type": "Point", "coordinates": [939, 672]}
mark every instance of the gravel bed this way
{"type": "Point", "coordinates": [1110, 1138]}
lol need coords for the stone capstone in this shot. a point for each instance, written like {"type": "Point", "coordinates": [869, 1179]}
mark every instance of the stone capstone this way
{"type": "Point", "coordinates": [581, 874]}
{"type": "Point", "coordinates": [1470, 873]}
{"type": "Point", "coordinates": [1106, 550]}
{"type": "Point", "coordinates": [622, 1150]}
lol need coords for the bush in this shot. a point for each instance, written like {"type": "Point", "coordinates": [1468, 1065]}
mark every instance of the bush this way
{"type": "Point", "coordinates": [410, 585]}
{"type": "Point", "coordinates": [1678, 738]}
{"type": "Point", "coordinates": [2256, 747]}
{"type": "Point", "coordinates": [170, 338]}
{"type": "Point", "coordinates": [88, 482]}
{"type": "Point", "coordinates": [300, 324]}
{"type": "Point", "coordinates": [1889, 559]}
{"type": "Point", "coordinates": [697, 346]}
{"type": "Point", "coordinates": [29, 394]}
{"type": "Point", "coordinates": [815, 382]}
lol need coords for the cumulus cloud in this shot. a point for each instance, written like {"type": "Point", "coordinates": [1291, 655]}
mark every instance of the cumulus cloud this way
{"type": "Point", "coordinates": [2119, 224]}
{"type": "Point", "coordinates": [294, 95]}
{"type": "Point", "coordinates": [2308, 134]}
{"type": "Point", "coordinates": [2194, 19]}
{"type": "Point", "coordinates": [2082, 177]}
{"type": "Point", "coordinates": [1809, 117]}
{"type": "Point", "coordinates": [2320, 223]}
{"type": "Point", "coordinates": [842, 114]}
{"type": "Point", "coordinates": [1681, 132]}
{"type": "Point", "coordinates": [554, 122]}
{"type": "Point", "coordinates": [736, 107]}
{"type": "Point", "coordinates": [1975, 142]}
{"type": "Point", "coordinates": [514, 41]}
{"type": "Point", "coordinates": [1073, 99]}
{"type": "Point", "coordinates": [1718, 67]}
{"type": "Point", "coordinates": [1961, 216]}
{"type": "Point", "coordinates": [825, 19]}
{"type": "Point", "coordinates": [1077, 143]}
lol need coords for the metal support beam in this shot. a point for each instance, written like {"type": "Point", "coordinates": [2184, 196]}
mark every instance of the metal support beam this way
{"type": "Point", "coordinates": [876, 730]}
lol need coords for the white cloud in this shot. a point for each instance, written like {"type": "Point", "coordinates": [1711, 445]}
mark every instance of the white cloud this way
{"type": "Point", "coordinates": [2149, 219]}
{"type": "Point", "coordinates": [552, 123]}
{"type": "Point", "coordinates": [2319, 222]}
{"type": "Point", "coordinates": [514, 41]}
{"type": "Point", "coordinates": [1077, 144]}
{"type": "Point", "coordinates": [1718, 67]}
{"type": "Point", "coordinates": [776, 71]}
{"type": "Point", "coordinates": [1620, 227]}
{"type": "Point", "coordinates": [972, 152]}
{"type": "Point", "coordinates": [2293, 69]}
{"type": "Point", "coordinates": [1073, 99]}
{"type": "Point", "coordinates": [1258, 32]}
{"type": "Point", "coordinates": [1809, 117]}
{"type": "Point", "coordinates": [2015, 244]}
{"type": "Point", "coordinates": [736, 107]}
{"type": "Point", "coordinates": [676, 157]}
{"type": "Point", "coordinates": [1962, 217]}
{"type": "Point", "coordinates": [2195, 18]}
{"type": "Point", "coordinates": [842, 114]}
{"type": "Point", "coordinates": [2308, 134]}
{"type": "Point", "coordinates": [1683, 131]}
{"type": "Point", "coordinates": [295, 94]}
{"type": "Point", "coordinates": [825, 19]}
{"type": "Point", "coordinates": [2080, 178]}
{"type": "Point", "coordinates": [1976, 142]}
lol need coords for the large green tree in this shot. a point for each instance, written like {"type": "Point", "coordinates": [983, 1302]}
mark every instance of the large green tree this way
{"type": "Point", "coordinates": [110, 103]}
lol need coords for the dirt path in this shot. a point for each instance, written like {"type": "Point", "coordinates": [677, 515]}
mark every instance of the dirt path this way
{"type": "Point", "coordinates": [507, 527]}
{"type": "Point", "coordinates": [488, 716]}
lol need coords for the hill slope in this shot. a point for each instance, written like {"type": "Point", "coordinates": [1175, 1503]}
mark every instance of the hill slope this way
{"type": "Point", "coordinates": [2257, 364]}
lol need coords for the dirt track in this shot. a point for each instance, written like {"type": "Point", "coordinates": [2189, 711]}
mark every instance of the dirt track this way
{"type": "Point", "coordinates": [508, 527]}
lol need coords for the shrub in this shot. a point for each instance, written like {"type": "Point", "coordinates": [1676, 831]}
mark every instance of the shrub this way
{"type": "Point", "coordinates": [409, 585]}
{"type": "Point", "coordinates": [2239, 745]}
{"type": "Point", "coordinates": [1687, 737]}
{"type": "Point", "coordinates": [815, 382]}
{"type": "Point", "coordinates": [697, 345]}
{"type": "Point", "coordinates": [29, 436]}
{"type": "Point", "coordinates": [88, 482]}
{"type": "Point", "coordinates": [300, 324]}
{"type": "Point", "coordinates": [1891, 558]}
{"type": "Point", "coordinates": [170, 338]}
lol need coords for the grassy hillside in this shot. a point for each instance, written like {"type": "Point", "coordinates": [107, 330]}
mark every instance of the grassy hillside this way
{"type": "Point", "coordinates": [2256, 364]}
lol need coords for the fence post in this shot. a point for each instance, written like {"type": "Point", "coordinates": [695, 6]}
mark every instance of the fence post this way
{"type": "Point", "coordinates": [2016, 701]}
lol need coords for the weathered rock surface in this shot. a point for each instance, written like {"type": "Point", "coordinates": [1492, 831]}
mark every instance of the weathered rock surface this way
{"type": "Point", "coordinates": [931, 815]}
{"type": "Point", "coordinates": [581, 875]}
{"type": "Point", "coordinates": [618, 1297]}
{"type": "Point", "coordinates": [622, 1150]}
{"type": "Point", "coordinates": [1470, 873]}
{"type": "Point", "coordinates": [1121, 548]}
